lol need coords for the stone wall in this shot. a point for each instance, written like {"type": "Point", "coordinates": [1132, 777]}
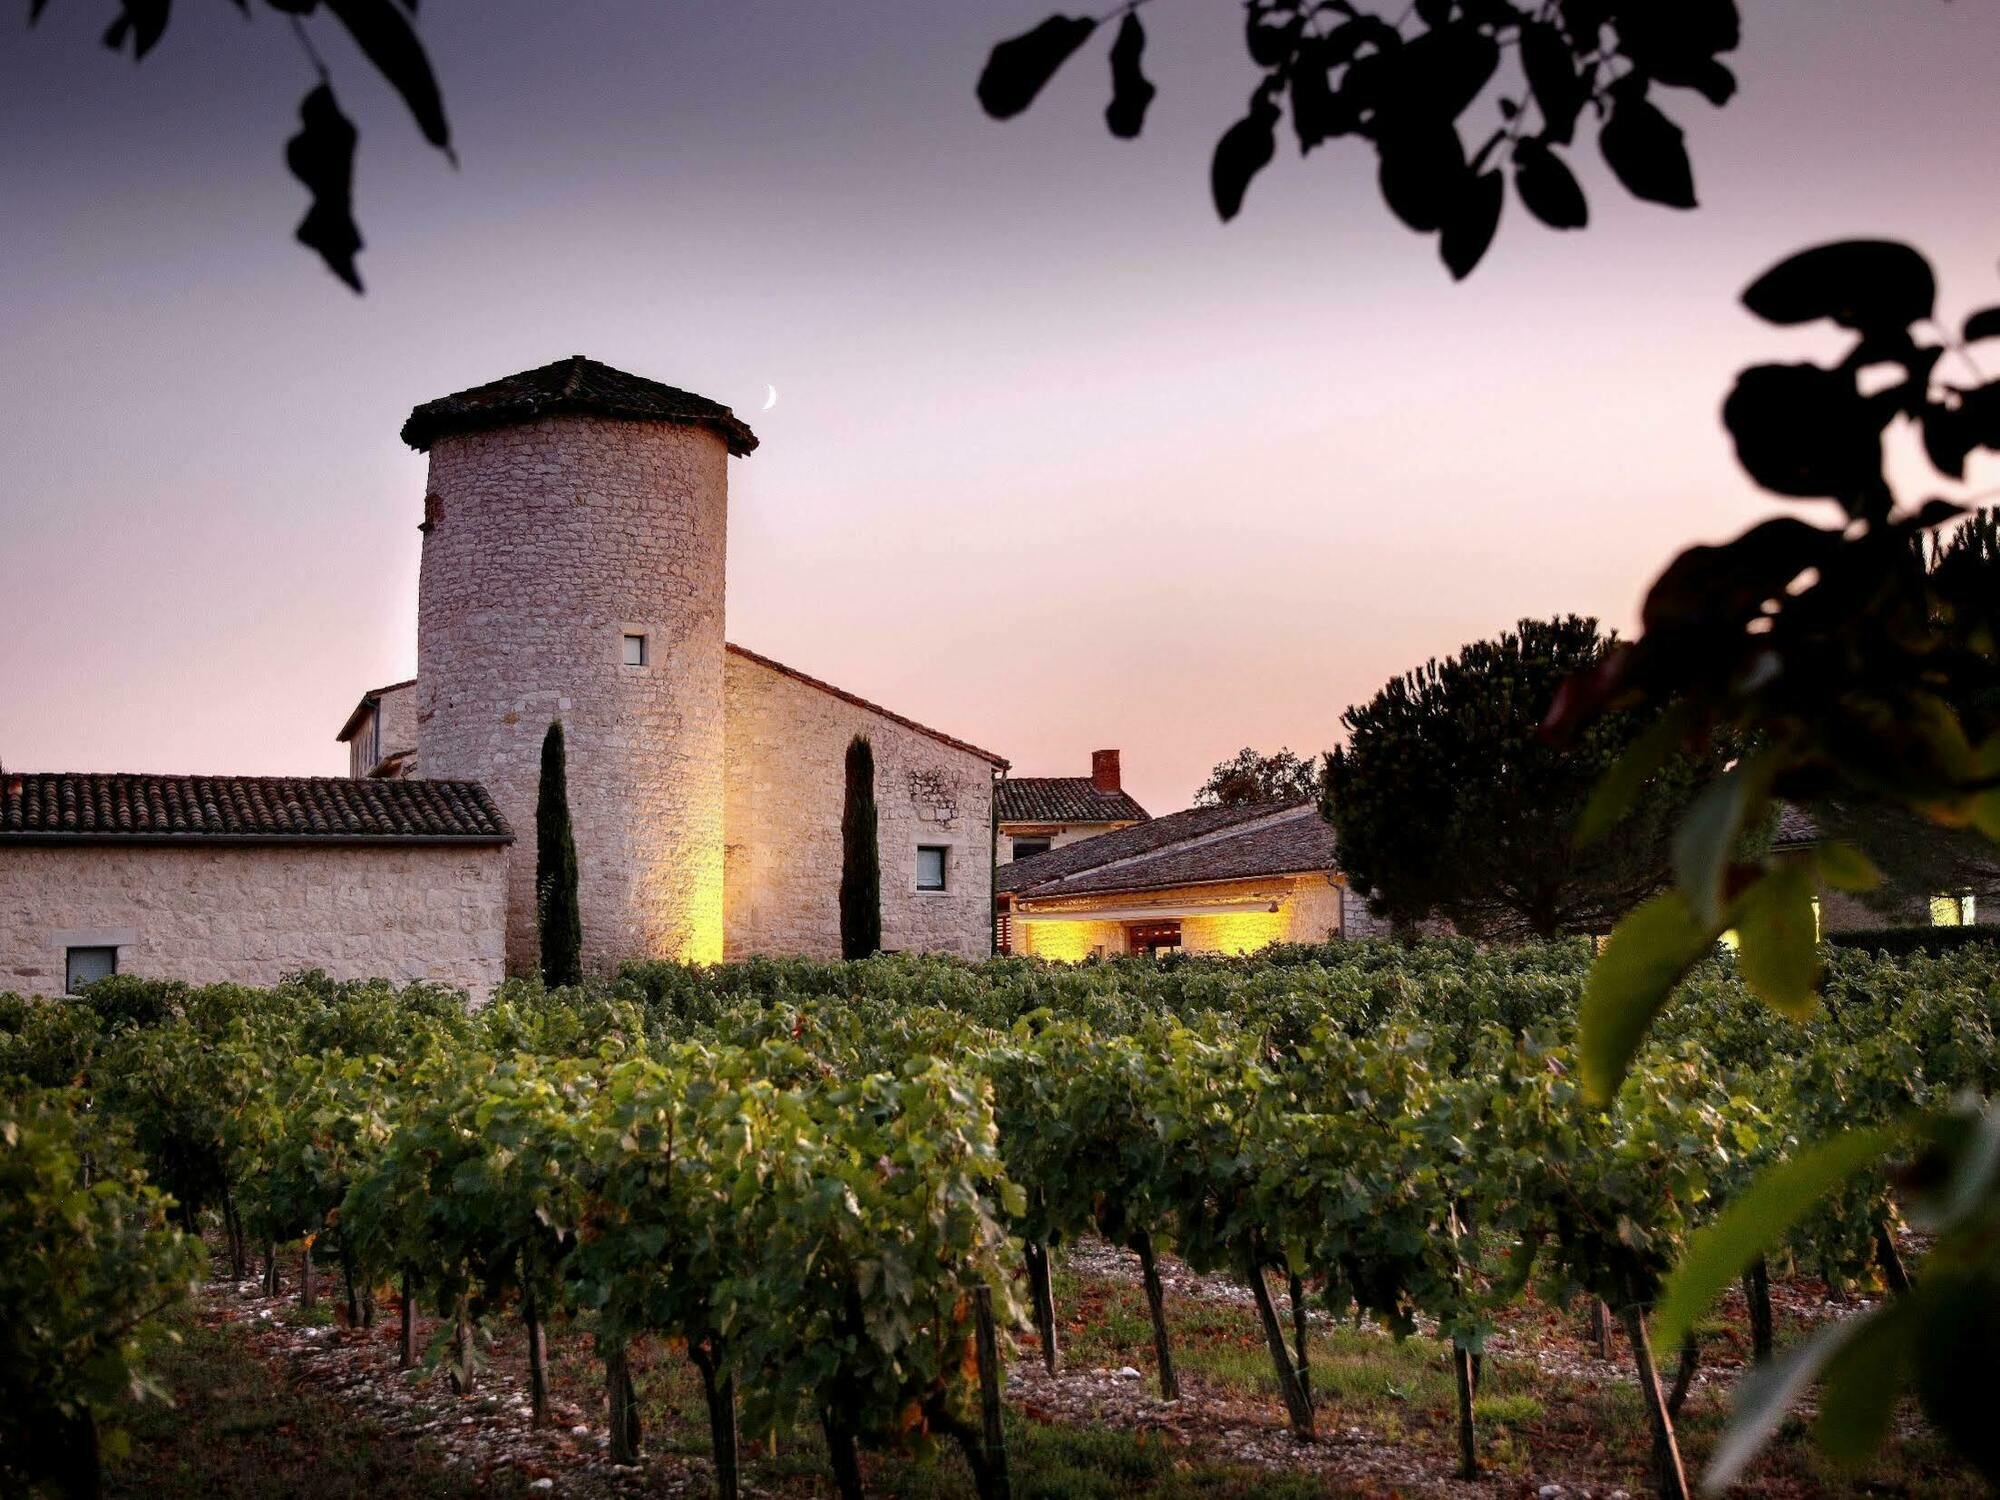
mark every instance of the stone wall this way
{"type": "Point", "coordinates": [394, 723]}
{"type": "Point", "coordinates": [547, 543]}
{"type": "Point", "coordinates": [1310, 910]}
{"type": "Point", "coordinates": [786, 780]}
{"type": "Point", "coordinates": [251, 914]}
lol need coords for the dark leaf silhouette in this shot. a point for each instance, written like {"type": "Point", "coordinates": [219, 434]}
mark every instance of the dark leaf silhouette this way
{"type": "Point", "coordinates": [1984, 324]}
{"type": "Point", "coordinates": [1948, 440]}
{"type": "Point", "coordinates": [1871, 286]}
{"type": "Point", "coordinates": [1442, 72]}
{"type": "Point", "coordinates": [1131, 90]}
{"type": "Point", "coordinates": [1677, 44]}
{"type": "Point", "coordinates": [1270, 35]}
{"type": "Point", "coordinates": [1728, 584]}
{"type": "Point", "coordinates": [1647, 152]}
{"type": "Point", "coordinates": [1469, 227]}
{"type": "Point", "coordinates": [1245, 150]}
{"type": "Point", "coordinates": [1714, 82]}
{"type": "Point", "coordinates": [1560, 90]}
{"type": "Point", "coordinates": [1806, 431]}
{"type": "Point", "coordinates": [1017, 68]}
{"type": "Point", "coordinates": [1423, 173]}
{"type": "Point", "coordinates": [321, 156]}
{"type": "Point", "coordinates": [1319, 113]}
{"type": "Point", "coordinates": [382, 33]}
{"type": "Point", "coordinates": [1548, 188]}
{"type": "Point", "coordinates": [140, 21]}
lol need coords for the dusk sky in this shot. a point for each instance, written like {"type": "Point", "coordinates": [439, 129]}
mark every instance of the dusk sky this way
{"type": "Point", "coordinates": [1058, 462]}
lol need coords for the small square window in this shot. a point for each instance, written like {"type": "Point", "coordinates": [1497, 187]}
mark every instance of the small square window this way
{"type": "Point", "coordinates": [635, 649]}
{"type": "Point", "coordinates": [1029, 848]}
{"type": "Point", "coordinates": [87, 966]}
{"type": "Point", "coordinates": [930, 867]}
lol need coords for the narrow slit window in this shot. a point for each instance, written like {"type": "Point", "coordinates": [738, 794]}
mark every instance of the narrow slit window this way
{"type": "Point", "coordinates": [635, 649]}
{"type": "Point", "coordinates": [930, 867]}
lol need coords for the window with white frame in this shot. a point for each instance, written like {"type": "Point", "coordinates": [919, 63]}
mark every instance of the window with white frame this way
{"type": "Point", "coordinates": [932, 867]}
{"type": "Point", "coordinates": [635, 648]}
{"type": "Point", "coordinates": [85, 966]}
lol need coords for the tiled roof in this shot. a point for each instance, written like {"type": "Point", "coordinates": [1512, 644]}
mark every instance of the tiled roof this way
{"type": "Point", "coordinates": [65, 806]}
{"type": "Point", "coordinates": [1064, 799]}
{"type": "Point", "coordinates": [874, 708]}
{"type": "Point", "coordinates": [575, 385]}
{"type": "Point", "coordinates": [1298, 839]}
{"type": "Point", "coordinates": [1125, 843]}
{"type": "Point", "coordinates": [368, 700]}
{"type": "Point", "coordinates": [1795, 828]}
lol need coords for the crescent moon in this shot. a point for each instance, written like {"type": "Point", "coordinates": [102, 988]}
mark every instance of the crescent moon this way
{"type": "Point", "coordinates": [771, 397]}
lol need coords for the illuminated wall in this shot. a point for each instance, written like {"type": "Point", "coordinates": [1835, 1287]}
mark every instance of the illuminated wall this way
{"type": "Point", "coordinates": [1235, 932]}
{"type": "Point", "coordinates": [1309, 911]}
{"type": "Point", "coordinates": [1068, 942]}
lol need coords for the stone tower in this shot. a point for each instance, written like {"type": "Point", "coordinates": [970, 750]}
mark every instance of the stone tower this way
{"type": "Point", "coordinates": [575, 528]}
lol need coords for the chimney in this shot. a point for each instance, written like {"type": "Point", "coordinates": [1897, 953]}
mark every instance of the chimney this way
{"type": "Point", "coordinates": [1104, 771]}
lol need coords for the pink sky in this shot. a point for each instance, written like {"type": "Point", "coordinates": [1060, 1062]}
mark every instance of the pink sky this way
{"type": "Point", "coordinates": [1059, 462]}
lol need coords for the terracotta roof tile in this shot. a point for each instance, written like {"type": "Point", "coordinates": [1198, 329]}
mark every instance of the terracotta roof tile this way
{"type": "Point", "coordinates": [1064, 799]}
{"type": "Point", "coordinates": [61, 806]}
{"type": "Point", "coordinates": [578, 386]}
{"type": "Point", "coordinates": [1125, 843]}
{"type": "Point", "coordinates": [1298, 841]}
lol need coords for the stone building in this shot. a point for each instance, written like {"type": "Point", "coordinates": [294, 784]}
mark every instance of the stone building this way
{"type": "Point", "coordinates": [1040, 813]}
{"type": "Point", "coordinates": [1208, 880]}
{"type": "Point", "coordinates": [575, 530]}
{"type": "Point", "coordinates": [1974, 902]}
{"type": "Point", "coordinates": [246, 878]}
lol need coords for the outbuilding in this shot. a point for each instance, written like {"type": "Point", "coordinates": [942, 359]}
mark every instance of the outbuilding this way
{"type": "Point", "coordinates": [248, 878]}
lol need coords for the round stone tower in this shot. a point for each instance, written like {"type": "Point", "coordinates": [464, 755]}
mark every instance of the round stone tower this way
{"type": "Point", "coordinates": [575, 530]}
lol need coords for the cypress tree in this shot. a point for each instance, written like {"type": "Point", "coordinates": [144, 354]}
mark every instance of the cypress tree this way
{"type": "Point", "coordinates": [860, 857]}
{"type": "Point", "coordinates": [556, 911]}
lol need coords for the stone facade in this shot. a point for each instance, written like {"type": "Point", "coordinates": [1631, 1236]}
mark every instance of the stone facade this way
{"type": "Point", "coordinates": [547, 543]}
{"type": "Point", "coordinates": [249, 915]}
{"type": "Point", "coordinates": [787, 744]}
{"type": "Point", "coordinates": [1311, 908]}
{"type": "Point", "coordinates": [382, 734]}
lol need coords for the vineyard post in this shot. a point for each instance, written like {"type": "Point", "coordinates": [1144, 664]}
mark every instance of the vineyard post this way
{"type": "Point", "coordinates": [1893, 1275]}
{"type": "Point", "coordinates": [1468, 1436]}
{"type": "Point", "coordinates": [1297, 1407]}
{"type": "Point", "coordinates": [1684, 1375]}
{"type": "Point", "coordinates": [1297, 1294]}
{"type": "Point", "coordinates": [347, 1283]}
{"type": "Point", "coordinates": [1041, 1291]}
{"type": "Point", "coordinates": [993, 1481]}
{"type": "Point", "coordinates": [1464, 1366]}
{"type": "Point", "coordinates": [233, 1223]}
{"type": "Point", "coordinates": [538, 1350]}
{"type": "Point", "coordinates": [841, 1454]}
{"type": "Point", "coordinates": [1666, 1450]}
{"type": "Point", "coordinates": [718, 1389]}
{"type": "Point", "coordinates": [270, 1269]}
{"type": "Point", "coordinates": [406, 1357]}
{"type": "Point", "coordinates": [463, 1376]}
{"type": "Point", "coordinates": [1600, 1326]}
{"type": "Point", "coordinates": [306, 1298]}
{"type": "Point", "coordinates": [623, 1403]}
{"type": "Point", "coordinates": [1757, 1295]}
{"type": "Point", "coordinates": [1156, 1304]}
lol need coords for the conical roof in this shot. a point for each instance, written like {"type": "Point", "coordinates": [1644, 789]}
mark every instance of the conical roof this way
{"type": "Point", "coordinates": [575, 385]}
